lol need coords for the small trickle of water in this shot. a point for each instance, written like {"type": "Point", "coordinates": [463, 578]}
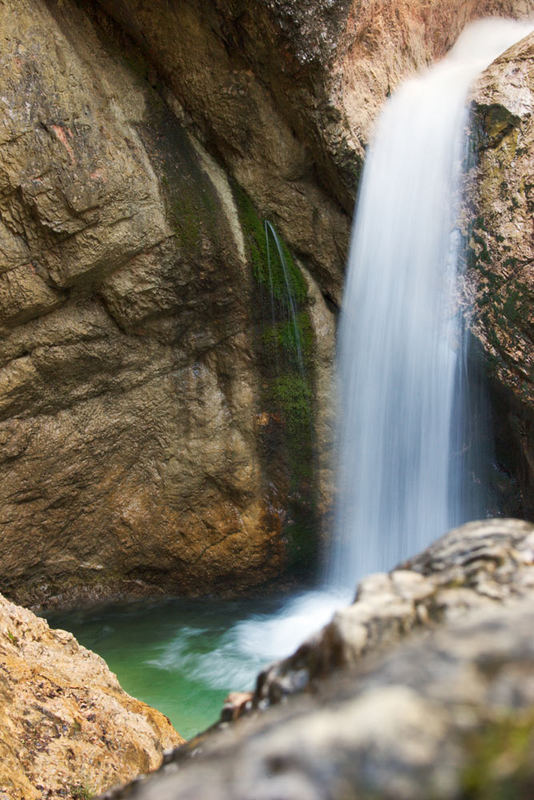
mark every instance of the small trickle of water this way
{"type": "Point", "coordinates": [289, 296]}
{"type": "Point", "coordinates": [400, 332]}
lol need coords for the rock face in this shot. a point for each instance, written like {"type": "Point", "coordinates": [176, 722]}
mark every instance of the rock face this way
{"type": "Point", "coordinates": [141, 147]}
{"type": "Point", "coordinates": [447, 714]}
{"type": "Point", "coordinates": [128, 397]}
{"type": "Point", "coordinates": [292, 91]}
{"type": "Point", "coordinates": [67, 729]}
{"type": "Point", "coordinates": [501, 252]}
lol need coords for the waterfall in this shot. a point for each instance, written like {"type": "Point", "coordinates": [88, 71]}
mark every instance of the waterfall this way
{"type": "Point", "coordinates": [401, 358]}
{"type": "Point", "coordinates": [401, 346]}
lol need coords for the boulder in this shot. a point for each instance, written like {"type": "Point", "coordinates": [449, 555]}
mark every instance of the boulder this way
{"type": "Point", "coordinates": [422, 688]}
{"type": "Point", "coordinates": [67, 729]}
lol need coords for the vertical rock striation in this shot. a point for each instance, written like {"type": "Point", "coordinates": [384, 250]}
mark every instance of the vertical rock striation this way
{"type": "Point", "coordinates": [501, 258]}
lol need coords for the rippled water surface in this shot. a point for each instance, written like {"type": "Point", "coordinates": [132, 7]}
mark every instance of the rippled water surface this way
{"type": "Point", "coordinates": [184, 656]}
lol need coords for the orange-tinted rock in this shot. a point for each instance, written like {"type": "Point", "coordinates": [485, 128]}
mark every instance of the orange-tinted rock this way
{"type": "Point", "coordinates": [67, 729]}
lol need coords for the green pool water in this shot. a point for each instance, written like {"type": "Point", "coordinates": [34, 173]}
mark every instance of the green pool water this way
{"type": "Point", "coordinates": [184, 656]}
{"type": "Point", "coordinates": [180, 656]}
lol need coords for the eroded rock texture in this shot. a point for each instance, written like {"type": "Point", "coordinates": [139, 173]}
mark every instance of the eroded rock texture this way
{"type": "Point", "coordinates": [501, 243]}
{"type": "Point", "coordinates": [139, 441]}
{"type": "Point", "coordinates": [127, 394]}
{"type": "Point", "coordinates": [67, 729]}
{"type": "Point", "coordinates": [291, 93]}
{"type": "Point", "coordinates": [446, 713]}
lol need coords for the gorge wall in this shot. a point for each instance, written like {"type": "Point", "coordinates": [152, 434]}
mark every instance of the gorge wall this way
{"type": "Point", "coordinates": [501, 259]}
{"type": "Point", "coordinates": [141, 146]}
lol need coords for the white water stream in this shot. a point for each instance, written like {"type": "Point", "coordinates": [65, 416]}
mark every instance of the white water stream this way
{"type": "Point", "coordinates": [400, 344]}
{"type": "Point", "coordinates": [401, 332]}
{"type": "Point", "coordinates": [400, 347]}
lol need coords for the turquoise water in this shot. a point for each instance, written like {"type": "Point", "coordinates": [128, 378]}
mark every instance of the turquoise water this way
{"type": "Point", "coordinates": [184, 656]}
{"type": "Point", "coordinates": [181, 657]}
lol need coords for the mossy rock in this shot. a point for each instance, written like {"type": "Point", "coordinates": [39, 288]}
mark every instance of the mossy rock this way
{"type": "Point", "coordinates": [501, 760]}
{"type": "Point", "coordinates": [267, 267]}
{"type": "Point", "coordinates": [285, 348]}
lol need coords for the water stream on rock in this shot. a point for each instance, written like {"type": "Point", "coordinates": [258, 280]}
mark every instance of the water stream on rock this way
{"type": "Point", "coordinates": [407, 474]}
{"type": "Point", "coordinates": [401, 357]}
{"type": "Point", "coordinates": [288, 296]}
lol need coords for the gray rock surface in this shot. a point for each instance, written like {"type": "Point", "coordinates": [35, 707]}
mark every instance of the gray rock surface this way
{"type": "Point", "coordinates": [446, 713]}
{"type": "Point", "coordinates": [475, 566]}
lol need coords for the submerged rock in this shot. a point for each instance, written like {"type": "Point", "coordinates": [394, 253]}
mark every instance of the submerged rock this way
{"type": "Point", "coordinates": [446, 713]}
{"type": "Point", "coordinates": [67, 729]}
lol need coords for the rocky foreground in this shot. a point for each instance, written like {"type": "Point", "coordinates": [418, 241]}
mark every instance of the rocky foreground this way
{"type": "Point", "coordinates": [67, 729]}
{"type": "Point", "coordinates": [422, 689]}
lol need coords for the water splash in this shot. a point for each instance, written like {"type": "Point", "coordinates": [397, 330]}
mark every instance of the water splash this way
{"type": "Point", "coordinates": [401, 335]}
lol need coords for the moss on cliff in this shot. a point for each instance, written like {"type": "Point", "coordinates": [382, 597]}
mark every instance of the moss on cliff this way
{"type": "Point", "coordinates": [267, 267]}
{"type": "Point", "coordinates": [285, 349]}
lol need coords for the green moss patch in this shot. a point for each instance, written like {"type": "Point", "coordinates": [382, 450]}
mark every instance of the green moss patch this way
{"type": "Point", "coordinates": [285, 349]}
{"type": "Point", "coordinates": [267, 268]}
{"type": "Point", "coordinates": [501, 760]}
{"type": "Point", "coordinates": [292, 393]}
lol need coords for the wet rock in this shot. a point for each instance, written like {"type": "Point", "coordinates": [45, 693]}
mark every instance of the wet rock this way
{"type": "Point", "coordinates": [501, 258]}
{"type": "Point", "coordinates": [67, 729]}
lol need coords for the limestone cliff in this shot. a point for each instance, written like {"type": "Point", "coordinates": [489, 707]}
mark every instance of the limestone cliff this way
{"type": "Point", "coordinates": [501, 255]}
{"type": "Point", "coordinates": [67, 729]}
{"type": "Point", "coordinates": [128, 395]}
{"type": "Point", "coordinates": [143, 433]}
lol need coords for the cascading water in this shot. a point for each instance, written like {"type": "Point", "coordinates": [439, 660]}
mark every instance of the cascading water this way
{"type": "Point", "coordinates": [399, 354]}
{"type": "Point", "coordinates": [401, 333]}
